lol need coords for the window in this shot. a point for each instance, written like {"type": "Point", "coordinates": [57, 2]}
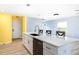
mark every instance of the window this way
{"type": "Point", "coordinates": [62, 24]}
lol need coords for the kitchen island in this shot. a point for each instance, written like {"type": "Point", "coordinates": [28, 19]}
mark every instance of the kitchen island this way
{"type": "Point", "coordinates": [52, 45]}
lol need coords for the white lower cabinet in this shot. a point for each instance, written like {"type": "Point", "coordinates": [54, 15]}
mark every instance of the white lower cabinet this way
{"type": "Point", "coordinates": [45, 52]}
{"type": "Point", "coordinates": [64, 50]}
{"type": "Point", "coordinates": [28, 43]}
{"type": "Point", "coordinates": [49, 49]}
{"type": "Point", "coordinates": [74, 48]}
{"type": "Point", "coordinates": [68, 49]}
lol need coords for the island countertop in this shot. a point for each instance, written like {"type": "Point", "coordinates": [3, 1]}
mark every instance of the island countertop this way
{"type": "Point", "coordinates": [54, 40]}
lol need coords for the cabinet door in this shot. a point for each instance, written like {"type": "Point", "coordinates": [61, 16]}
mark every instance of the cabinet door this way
{"type": "Point", "coordinates": [64, 50]}
{"type": "Point", "coordinates": [25, 41]}
{"type": "Point", "coordinates": [49, 49]}
{"type": "Point", "coordinates": [74, 48]}
{"type": "Point", "coordinates": [46, 52]}
{"type": "Point", "coordinates": [16, 26]}
{"type": "Point", "coordinates": [30, 44]}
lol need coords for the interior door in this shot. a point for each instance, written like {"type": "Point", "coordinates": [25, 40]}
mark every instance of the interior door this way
{"type": "Point", "coordinates": [16, 28]}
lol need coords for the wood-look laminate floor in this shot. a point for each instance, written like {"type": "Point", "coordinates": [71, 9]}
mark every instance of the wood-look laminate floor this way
{"type": "Point", "coordinates": [14, 48]}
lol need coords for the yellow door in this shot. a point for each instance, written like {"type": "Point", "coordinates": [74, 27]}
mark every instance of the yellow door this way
{"type": "Point", "coordinates": [5, 28]}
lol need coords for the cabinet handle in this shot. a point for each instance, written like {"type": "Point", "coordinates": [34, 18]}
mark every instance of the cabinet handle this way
{"type": "Point", "coordinates": [48, 47]}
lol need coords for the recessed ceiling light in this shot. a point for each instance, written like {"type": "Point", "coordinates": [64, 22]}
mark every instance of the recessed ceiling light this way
{"type": "Point", "coordinates": [28, 5]}
{"type": "Point", "coordinates": [77, 14]}
{"type": "Point", "coordinates": [56, 14]}
{"type": "Point", "coordinates": [76, 10]}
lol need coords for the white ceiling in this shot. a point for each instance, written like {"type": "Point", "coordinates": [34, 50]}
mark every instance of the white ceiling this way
{"type": "Point", "coordinates": [43, 11]}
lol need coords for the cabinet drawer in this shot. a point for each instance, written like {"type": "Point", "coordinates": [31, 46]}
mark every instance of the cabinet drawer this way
{"type": "Point", "coordinates": [46, 52]}
{"type": "Point", "coordinates": [50, 48]}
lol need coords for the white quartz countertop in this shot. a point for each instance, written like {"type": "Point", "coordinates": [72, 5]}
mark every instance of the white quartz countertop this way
{"type": "Point", "coordinates": [53, 40]}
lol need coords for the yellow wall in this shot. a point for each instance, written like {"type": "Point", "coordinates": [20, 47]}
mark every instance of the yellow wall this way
{"type": "Point", "coordinates": [5, 28]}
{"type": "Point", "coordinates": [15, 17]}
{"type": "Point", "coordinates": [24, 24]}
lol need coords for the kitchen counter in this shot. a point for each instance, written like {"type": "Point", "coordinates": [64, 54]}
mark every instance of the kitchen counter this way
{"type": "Point", "coordinates": [53, 40]}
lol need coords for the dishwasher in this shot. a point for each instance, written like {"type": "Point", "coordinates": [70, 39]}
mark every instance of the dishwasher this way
{"type": "Point", "coordinates": [37, 47]}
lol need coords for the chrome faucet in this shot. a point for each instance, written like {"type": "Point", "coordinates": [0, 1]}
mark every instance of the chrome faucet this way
{"type": "Point", "coordinates": [36, 28]}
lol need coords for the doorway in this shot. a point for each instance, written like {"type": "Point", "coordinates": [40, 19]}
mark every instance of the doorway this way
{"type": "Point", "coordinates": [16, 27]}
